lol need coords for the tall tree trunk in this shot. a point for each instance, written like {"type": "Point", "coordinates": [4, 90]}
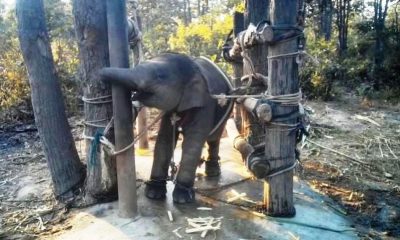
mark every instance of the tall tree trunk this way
{"type": "Point", "coordinates": [380, 13]}
{"type": "Point", "coordinates": [325, 22]}
{"type": "Point", "coordinates": [280, 140]}
{"type": "Point", "coordinates": [198, 8]}
{"type": "Point", "coordinates": [66, 170]}
{"type": "Point", "coordinates": [91, 32]}
{"type": "Point", "coordinates": [342, 19]}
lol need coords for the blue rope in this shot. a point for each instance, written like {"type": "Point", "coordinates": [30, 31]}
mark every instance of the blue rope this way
{"type": "Point", "coordinates": [93, 147]}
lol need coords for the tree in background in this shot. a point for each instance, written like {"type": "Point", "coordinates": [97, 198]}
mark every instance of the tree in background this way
{"type": "Point", "coordinates": [92, 38]}
{"type": "Point", "coordinates": [58, 144]}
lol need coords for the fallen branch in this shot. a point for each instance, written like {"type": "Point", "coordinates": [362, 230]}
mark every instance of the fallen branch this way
{"type": "Point", "coordinates": [359, 117]}
{"type": "Point", "coordinates": [337, 152]}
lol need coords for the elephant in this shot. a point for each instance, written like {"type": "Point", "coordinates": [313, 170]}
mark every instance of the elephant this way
{"type": "Point", "coordinates": [182, 86]}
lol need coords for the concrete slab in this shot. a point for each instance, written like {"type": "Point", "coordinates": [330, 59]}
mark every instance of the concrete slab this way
{"type": "Point", "coordinates": [314, 219]}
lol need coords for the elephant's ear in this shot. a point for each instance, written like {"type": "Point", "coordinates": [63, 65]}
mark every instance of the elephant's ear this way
{"type": "Point", "coordinates": [195, 93]}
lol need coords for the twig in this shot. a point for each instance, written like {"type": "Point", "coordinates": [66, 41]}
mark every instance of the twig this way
{"type": "Point", "coordinates": [294, 237]}
{"type": "Point", "coordinates": [176, 232]}
{"type": "Point", "coordinates": [390, 150]}
{"type": "Point", "coordinates": [204, 209]}
{"type": "Point", "coordinates": [171, 219]}
{"type": "Point", "coordinates": [380, 147]}
{"type": "Point", "coordinates": [359, 117]}
{"type": "Point", "coordinates": [335, 151]}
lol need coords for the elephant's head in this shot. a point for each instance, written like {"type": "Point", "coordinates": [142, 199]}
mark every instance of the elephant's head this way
{"type": "Point", "coordinates": [168, 82]}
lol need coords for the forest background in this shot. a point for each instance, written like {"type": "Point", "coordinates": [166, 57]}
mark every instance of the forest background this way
{"type": "Point", "coordinates": [354, 44]}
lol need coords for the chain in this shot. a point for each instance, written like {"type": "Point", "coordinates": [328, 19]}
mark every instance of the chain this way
{"type": "Point", "coordinates": [172, 165]}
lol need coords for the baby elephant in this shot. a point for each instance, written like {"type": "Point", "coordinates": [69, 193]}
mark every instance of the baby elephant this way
{"type": "Point", "coordinates": [180, 86]}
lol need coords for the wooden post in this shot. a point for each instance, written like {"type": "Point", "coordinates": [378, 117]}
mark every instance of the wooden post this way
{"type": "Point", "coordinates": [138, 58]}
{"type": "Point", "coordinates": [280, 142]}
{"type": "Point", "coordinates": [238, 26]}
{"type": "Point", "coordinates": [122, 109]}
{"type": "Point", "coordinates": [256, 11]}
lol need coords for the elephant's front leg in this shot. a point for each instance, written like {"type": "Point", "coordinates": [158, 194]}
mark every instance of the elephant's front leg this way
{"type": "Point", "coordinates": [195, 135]}
{"type": "Point", "coordinates": [156, 186]}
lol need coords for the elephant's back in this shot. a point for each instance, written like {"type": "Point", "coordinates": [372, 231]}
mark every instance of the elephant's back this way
{"type": "Point", "coordinates": [217, 81]}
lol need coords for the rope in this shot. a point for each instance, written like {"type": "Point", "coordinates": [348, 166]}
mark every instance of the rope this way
{"type": "Point", "coordinates": [283, 170]}
{"type": "Point", "coordinates": [114, 153]}
{"type": "Point", "coordinates": [110, 148]}
{"type": "Point", "coordinates": [286, 55]}
{"type": "Point", "coordinates": [174, 120]}
{"type": "Point", "coordinates": [95, 100]}
{"type": "Point", "coordinates": [91, 123]}
{"type": "Point", "coordinates": [93, 148]}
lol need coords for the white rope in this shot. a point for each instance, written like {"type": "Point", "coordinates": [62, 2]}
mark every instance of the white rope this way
{"type": "Point", "coordinates": [110, 148]}
{"type": "Point", "coordinates": [95, 100]}
{"type": "Point", "coordinates": [285, 55]}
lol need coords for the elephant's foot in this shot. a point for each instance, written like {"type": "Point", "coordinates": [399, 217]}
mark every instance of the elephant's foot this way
{"type": "Point", "coordinates": [213, 168]}
{"type": "Point", "coordinates": [183, 194]}
{"type": "Point", "coordinates": [156, 189]}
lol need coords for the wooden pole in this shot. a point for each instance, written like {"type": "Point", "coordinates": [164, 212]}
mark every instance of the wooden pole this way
{"type": "Point", "coordinates": [280, 142]}
{"type": "Point", "coordinates": [122, 108]}
{"type": "Point", "coordinates": [238, 26]}
{"type": "Point", "coordinates": [256, 11]}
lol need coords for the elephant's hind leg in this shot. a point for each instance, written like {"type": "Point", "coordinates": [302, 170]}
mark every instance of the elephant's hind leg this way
{"type": "Point", "coordinates": [156, 186]}
{"type": "Point", "coordinates": [194, 138]}
{"type": "Point", "coordinates": [213, 168]}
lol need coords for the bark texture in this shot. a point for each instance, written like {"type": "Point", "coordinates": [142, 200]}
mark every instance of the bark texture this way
{"type": "Point", "coordinates": [256, 11]}
{"type": "Point", "coordinates": [66, 170]}
{"type": "Point", "coordinates": [280, 142]}
{"type": "Point", "coordinates": [91, 33]}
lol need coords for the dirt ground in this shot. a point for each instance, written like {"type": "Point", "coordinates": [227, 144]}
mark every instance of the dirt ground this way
{"type": "Point", "coordinates": [352, 156]}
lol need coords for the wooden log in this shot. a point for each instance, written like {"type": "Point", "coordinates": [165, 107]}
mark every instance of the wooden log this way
{"type": "Point", "coordinates": [280, 142]}
{"type": "Point", "coordinates": [239, 143]}
{"type": "Point", "coordinates": [67, 172]}
{"type": "Point", "coordinates": [262, 111]}
{"type": "Point", "coordinates": [122, 108]}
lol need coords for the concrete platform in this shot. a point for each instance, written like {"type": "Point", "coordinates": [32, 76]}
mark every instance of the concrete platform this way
{"type": "Point", "coordinates": [315, 219]}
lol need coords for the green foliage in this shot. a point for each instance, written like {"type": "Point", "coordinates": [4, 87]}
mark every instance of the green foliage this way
{"type": "Point", "coordinates": [14, 87]}
{"type": "Point", "coordinates": [318, 75]}
{"type": "Point", "coordinates": [202, 37]}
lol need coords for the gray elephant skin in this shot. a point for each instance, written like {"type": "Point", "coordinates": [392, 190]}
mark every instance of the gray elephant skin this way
{"type": "Point", "coordinates": [181, 85]}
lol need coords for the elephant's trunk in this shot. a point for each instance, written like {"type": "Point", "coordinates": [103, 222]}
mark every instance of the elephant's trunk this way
{"type": "Point", "coordinates": [123, 76]}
